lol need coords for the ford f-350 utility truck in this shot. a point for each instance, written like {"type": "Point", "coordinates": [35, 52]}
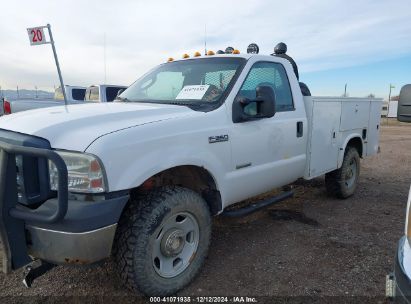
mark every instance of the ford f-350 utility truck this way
{"type": "Point", "coordinates": [140, 178]}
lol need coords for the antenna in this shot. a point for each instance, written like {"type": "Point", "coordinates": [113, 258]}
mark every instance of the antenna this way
{"type": "Point", "coordinates": [105, 65]}
{"type": "Point", "coordinates": [205, 39]}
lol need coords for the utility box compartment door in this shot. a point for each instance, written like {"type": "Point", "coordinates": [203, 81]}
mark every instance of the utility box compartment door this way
{"type": "Point", "coordinates": [325, 137]}
{"type": "Point", "coordinates": [373, 132]}
{"type": "Point", "coordinates": [354, 114]}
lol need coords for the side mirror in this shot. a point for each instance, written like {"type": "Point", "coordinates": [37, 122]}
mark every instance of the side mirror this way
{"type": "Point", "coordinates": [404, 104]}
{"type": "Point", "coordinates": [264, 105]}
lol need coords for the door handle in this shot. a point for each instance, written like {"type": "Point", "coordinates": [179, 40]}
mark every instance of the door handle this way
{"type": "Point", "coordinates": [300, 129]}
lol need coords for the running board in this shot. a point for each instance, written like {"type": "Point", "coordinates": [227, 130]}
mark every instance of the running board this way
{"type": "Point", "coordinates": [258, 205]}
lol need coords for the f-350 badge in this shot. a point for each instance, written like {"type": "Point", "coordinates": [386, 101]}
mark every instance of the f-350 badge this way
{"type": "Point", "coordinates": [218, 138]}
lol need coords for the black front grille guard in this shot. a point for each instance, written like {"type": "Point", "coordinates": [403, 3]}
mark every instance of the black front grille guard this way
{"type": "Point", "coordinates": [14, 215]}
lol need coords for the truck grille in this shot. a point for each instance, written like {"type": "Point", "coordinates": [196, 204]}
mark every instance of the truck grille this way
{"type": "Point", "coordinates": [20, 180]}
{"type": "Point", "coordinates": [32, 179]}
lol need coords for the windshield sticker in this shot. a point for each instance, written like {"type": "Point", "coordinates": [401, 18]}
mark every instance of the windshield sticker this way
{"type": "Point", "coordinates": [193, 92]}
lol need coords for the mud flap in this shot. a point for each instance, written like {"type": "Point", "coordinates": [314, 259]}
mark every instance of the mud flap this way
{"type": "Point", "coordinates": [12, 230]}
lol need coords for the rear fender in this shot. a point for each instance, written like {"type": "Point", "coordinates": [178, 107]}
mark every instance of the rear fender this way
{"type": "Point", "coordinates": [344, 147]}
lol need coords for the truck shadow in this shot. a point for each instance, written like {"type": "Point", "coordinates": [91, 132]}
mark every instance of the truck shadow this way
{"type": "Point", "coordinates": [292, 215]}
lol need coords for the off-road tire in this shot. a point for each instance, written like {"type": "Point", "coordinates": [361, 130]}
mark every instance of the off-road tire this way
{"type": "Point", "coordinates": [136, 233]}
{"type": "Point", "coordinates": [336, 181]}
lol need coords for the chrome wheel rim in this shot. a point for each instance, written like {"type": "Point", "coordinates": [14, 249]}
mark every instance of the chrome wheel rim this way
{"type": "Point", "coordinates": [351, 175]}
{"type": "Point", "coordinates": [175, 244]}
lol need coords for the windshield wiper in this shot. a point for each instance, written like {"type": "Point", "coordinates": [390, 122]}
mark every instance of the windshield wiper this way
{"type": "Point", "coordinates": [124, 99]}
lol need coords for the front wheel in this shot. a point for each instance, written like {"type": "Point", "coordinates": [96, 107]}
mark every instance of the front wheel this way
{"type": "Point", "coordinates": [162, 240]}
{"type": "Point", "coordinates": [343, 182]}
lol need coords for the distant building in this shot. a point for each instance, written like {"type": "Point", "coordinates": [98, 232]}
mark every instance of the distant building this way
{"type": "Point", "coordinates": [392, 108]}
{"type": "Point", "coordinates": [389, 109]}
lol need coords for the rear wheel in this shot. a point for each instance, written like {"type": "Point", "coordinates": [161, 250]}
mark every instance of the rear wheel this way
{"type": "Point", "coordinates": [162, 240]}
{"type": "Point", "coordinates": [343, 182]}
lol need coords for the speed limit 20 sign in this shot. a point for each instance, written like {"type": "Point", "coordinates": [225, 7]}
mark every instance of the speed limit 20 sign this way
{"type": "Point", "coordinates": [36, 35]}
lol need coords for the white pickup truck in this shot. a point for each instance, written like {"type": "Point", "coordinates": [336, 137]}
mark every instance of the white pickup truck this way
{"type": "Point", "coordinates": [103, 92]}
{"type": "Point", "coordinates": [75, 95]}
{"type": "Point", "coordinates": [398, 284]}
{"type": "Point", "coordinates": [140, 178]}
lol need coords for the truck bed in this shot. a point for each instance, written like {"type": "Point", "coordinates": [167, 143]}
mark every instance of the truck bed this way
{"type": "Point", "coordinates": [333, 122]}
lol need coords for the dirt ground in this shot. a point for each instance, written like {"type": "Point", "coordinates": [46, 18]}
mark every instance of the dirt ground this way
{"type": "Point", "coordinates": [318, 248]}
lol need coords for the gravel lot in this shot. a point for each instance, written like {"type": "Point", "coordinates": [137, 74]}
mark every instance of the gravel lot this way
{"type": "Point", "coordinates": [311, 247]}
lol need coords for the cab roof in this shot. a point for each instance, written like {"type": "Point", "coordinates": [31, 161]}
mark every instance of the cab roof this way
{"type": "Point", "coordinates": [245, 56]}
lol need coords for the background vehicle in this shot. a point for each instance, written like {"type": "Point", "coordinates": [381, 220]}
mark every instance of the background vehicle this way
{"type": "Point", "coordinates": [142, 176]}
{"type": "Point", "coordinates": [399, 283]}
{"type": "Point", "coordinates": [75, 95]}
{"type": "Point", "coordinates": [2, 106]}
{"type": "Point", "coordinates": [103, 93]}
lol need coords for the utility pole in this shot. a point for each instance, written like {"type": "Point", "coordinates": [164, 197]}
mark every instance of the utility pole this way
{"type": "Point", "coordinates": [37, 96]}
{"type": "Point", "coordinates": [18, 93]}
{"type": "Point", "coordinates": [389, 94]}
{"type": "Point", "coordinates": [389, 99]}
{"type": "Point", "coordinates": [105, 65]}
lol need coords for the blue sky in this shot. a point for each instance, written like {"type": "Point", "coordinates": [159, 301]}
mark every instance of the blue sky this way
{"type": "Point", "coordinates": [365, 43]}
{"type": "Point", "coordinates": [362, 80]}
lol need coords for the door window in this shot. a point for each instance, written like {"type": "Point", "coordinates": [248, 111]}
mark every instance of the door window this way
{"type": "Point", "coordinates": [268, 74]}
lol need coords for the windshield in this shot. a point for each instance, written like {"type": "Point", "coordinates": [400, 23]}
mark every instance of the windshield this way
{"type": "Point", "coordinates": [188, 82]}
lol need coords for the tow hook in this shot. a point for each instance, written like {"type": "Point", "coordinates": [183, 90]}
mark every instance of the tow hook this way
{"type": "Point", "coordinates": [390, 286]}
{"type": "Point", "coordinates": [34, 271]}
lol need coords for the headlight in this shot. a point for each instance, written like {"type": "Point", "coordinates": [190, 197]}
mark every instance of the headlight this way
{"type": "Point", "coordinates": [408, 219]}
{"type": "Point", "coordinates": [85, 173]}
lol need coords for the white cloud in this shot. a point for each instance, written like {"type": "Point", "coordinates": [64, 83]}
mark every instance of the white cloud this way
{"type": "Point", "coordinates": [320, 35]}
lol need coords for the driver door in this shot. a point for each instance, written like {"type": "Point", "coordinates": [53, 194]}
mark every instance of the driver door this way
{"type": "Point", "coordinates": [267, 152]}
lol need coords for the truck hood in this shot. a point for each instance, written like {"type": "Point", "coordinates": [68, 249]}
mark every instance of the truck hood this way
{"type": "Point", "coordinates": [75, 127]}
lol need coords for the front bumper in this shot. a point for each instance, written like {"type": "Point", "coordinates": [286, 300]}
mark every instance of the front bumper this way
{"type": "Point", "coordinates": [57, 247]}
{"type": "Point", "coordinates": [85, 235]}
{"type": "Point", "coordinates": [58, 230]}
{"type": "Point", "coordinates": [402, 273]}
